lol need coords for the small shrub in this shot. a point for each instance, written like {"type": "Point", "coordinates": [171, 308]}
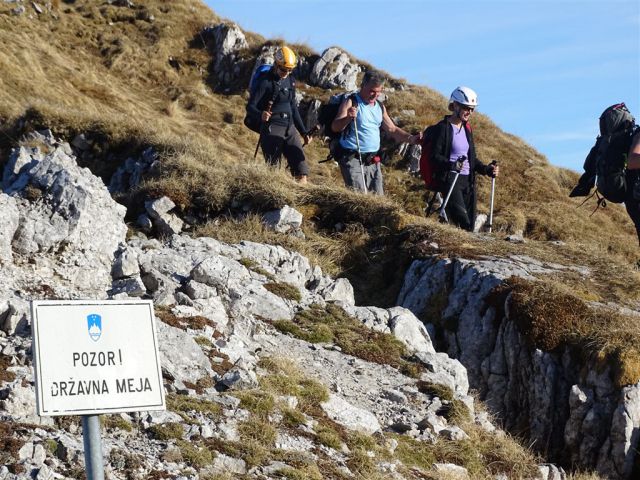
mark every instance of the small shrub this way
{"type": "Point", "coordinates": [51, 446]}
{"type": "Point", "coordinates": [123, 460]}
{"type": "Point", "coordinates": [259, 403]}
{"type": "Point", "coordinates": [280, 384]}
{"type": "Point", "coordinates": [257, 438]}
{"type": "Point", "coordinates": [203, 342]}
{"type": "Point", "coordinates": [312, 393]}
{"type": "Point", "coordinates": [332, 325]}
{"type": "Point", "coordinates": [185, 405]}
{"type": "Point", "coordinates": [292, 417]}
{"type": "Point", "coordinates": [194, 454]}
{"type": "Point", "coordinates": [309, 472]}
{"type": "Point", "coordinates": [6, 375]}
{"type": "Point", "coordinates": [284, 290]}
{"type": "Point", "coordinates": [115, 422]}
{"type": "Point", "coordinates": [328, 437]}
{"type": "Point", "coordinates": [435, 390]}
{"type": "Point", "coordinates": [255, 267]}
{"type": "Point", "coordinates": [167, 431]}
{"type": "Point", "coordinates": [361, 464]}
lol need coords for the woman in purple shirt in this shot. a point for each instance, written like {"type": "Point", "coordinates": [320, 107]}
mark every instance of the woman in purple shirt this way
{"type": "Point", "coordinates": [453, 151]}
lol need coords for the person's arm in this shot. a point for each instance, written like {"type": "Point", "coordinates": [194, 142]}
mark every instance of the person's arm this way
{"type": "Point", "coordinates": [346, 113]}
{"type": "Point", "coordinates": [398, 134]}
{"type": "Point", "coordinates": [633, 160]}
{"type": "Point", "coordinates": [438, 147]}
{"type": "Point", "coordinates": [297, 120]}
{"type": "Point", "coordinates": [255, 100]}
{"type": "Point", "coordinates": [491, 170]}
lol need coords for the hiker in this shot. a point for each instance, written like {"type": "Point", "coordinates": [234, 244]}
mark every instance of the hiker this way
{"type": "Point", "coordinates": [363, 114]}
{"type": "Point", "coordinates": [453, 150]}
{"type": "Point", "coordinates": [274, 102]}
{"type": "Point", "coordinates": [613, 163]}
{"type": "Point", "coordinates": [632, 202]}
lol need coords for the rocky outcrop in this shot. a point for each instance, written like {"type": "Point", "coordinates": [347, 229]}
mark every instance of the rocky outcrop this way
{"type": "Point", "coordinates": [215, 304]}
{"type": "Point", "coordinates": [130, 174]}
{"type": "Point", "coordinates": [572, 411]}
{"type": "Point", "coordinates": [66, 220]}
{"type": "Point", "coordinates": [225, 41]}
{"type": "Point", "coordinates": [334, 69]}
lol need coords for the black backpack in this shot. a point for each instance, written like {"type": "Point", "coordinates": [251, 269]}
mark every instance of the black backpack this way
{"type": "Point", "coordinates": [605, 166]}
{"type": "Point", "coordinates": [253, 122]}
{"type": "Point", "coordinates": [327, 113]}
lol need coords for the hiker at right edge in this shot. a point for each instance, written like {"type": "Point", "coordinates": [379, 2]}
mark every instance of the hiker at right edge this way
{"type": "Point", "coordinates": [632, 203]}
{"type": "Point", "coordinates": [360, 121]}
{"type": "Point", "coordinates": [613, 163]}
{"type": "Point", "coordinates": [453, 150]}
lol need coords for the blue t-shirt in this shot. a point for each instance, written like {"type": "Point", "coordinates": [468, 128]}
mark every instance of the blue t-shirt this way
{"type": "Point", "coordinates": [459, 147]}
{"type": "Point", "coordinates": [369, 120]}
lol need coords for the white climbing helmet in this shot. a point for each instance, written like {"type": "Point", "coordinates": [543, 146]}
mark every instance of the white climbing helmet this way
{"type": "Point", "coordinates": [464, 96]}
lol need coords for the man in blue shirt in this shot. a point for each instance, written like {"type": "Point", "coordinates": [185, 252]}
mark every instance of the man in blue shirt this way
{"type": "Point", "coordinates": [364, 115]}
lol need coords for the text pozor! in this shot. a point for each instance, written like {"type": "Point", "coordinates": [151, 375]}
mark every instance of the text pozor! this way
{"type": "Point", "coordinates": [96, 359]}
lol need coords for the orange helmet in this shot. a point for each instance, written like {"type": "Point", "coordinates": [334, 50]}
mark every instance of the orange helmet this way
{"type": "Point", "coordinates": [286, 58]}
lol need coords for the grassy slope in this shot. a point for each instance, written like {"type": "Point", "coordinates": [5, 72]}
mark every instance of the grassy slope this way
{"type": "Point", "coordinates": [105, 71]}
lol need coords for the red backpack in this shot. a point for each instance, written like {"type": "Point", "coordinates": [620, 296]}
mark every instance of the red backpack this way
{"type": "Point", "coordinates": [428, 168]}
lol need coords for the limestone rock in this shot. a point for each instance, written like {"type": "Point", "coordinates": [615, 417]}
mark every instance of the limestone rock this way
{"type": "Point", "coordinates": [180, 355]}
{"type": "Point", "coordinates": [334, 70]}
{"type": "Point", "coordinates": [283, 220]}
{"type": "Point", "coordinates": [166, 223]}
{"type": "Point", "coordinates": [10, 220]}
{"type": "Point", "coordinates": [349, 416]}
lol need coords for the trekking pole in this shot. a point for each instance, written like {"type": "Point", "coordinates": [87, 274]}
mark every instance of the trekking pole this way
{"type": "Point", "coordinates": [442, 213]}
{"type": "Point", "coordinates": [255, 154]}
{"type": "Point", "coordinates": [355, 121]}
{"type": "Point", "coordinates": [493, 191]}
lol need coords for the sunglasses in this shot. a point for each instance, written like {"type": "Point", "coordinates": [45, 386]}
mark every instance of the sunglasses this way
{"type": "Point", "coordinates": [467, 107]}
{"type": "Point", "coordinates": [284, 69]}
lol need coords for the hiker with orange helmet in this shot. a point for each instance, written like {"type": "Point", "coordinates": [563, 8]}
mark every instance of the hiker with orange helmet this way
{"type": "Point", "coordinates": [274, 101]}
{"type": "Point", "coordinates": [454, 154]}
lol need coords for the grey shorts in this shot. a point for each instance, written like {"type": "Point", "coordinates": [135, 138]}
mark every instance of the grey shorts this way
{"type": "Point", "coordinates": [357, 176]}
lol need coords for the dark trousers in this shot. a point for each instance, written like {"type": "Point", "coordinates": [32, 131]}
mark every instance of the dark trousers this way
{"type": "Point", "coordinates": [633, 204]}
{"type": "Point", "coordinates": [459, 207]}
{"type": "Point", "coordinates": [278, 140]}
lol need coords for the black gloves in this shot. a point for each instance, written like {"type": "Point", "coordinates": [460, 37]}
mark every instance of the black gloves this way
{"type": "Point", "coordinates": [459, 163]}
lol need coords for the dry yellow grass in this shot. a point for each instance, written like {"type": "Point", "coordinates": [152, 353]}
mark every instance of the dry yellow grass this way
{"type": "Point", "coordinates": [130, 82]}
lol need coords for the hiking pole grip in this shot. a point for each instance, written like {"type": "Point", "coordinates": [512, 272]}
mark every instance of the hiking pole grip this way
{"type": "Point", "coordinates": [493, 191]}
{"type": "Point", "coordinates": [255, 154]}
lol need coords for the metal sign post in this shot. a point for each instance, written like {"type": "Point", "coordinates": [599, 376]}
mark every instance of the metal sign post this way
{"type": "Point", "coordinates": [94, 465]}
{"type": "Point", "coordinates": [94, 357]}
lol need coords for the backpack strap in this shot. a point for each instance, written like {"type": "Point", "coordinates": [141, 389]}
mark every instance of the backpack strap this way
{"type": "Point", "coordinates": [354, 103]}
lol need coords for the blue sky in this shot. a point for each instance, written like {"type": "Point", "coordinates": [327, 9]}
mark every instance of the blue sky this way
{"type": "Point", "coordinates": [544, 70]}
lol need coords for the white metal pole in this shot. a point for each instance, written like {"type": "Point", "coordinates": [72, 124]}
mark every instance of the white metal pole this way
{"type": "Point", "coordinates": [442, 213]}
{"type": "Point", "coordinates": [94, 464]}
{"type": "Point", "coordinates": [493, 189]}
{"type": "Point", "coordinates": [355, 122]}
